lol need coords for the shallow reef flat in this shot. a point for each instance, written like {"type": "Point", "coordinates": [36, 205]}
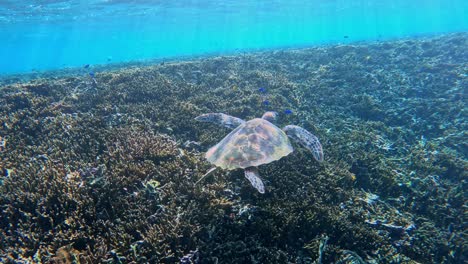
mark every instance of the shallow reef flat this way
{"type": "Point", "coordinates": [103, 170]}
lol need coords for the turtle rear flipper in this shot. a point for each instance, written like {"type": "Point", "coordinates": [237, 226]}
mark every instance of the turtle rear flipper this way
{"type": "Point", "coordinates": [251, 173]}
{"type": "Point", "coordinates": [221, 119]}
{"type": "Point", "coordinates": [306, 139]}
{"type": "Point", "coordinates": [208, 173]}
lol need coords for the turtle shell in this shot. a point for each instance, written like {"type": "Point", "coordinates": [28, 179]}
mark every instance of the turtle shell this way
{"type": "Point", "coordinates": [253, 143]}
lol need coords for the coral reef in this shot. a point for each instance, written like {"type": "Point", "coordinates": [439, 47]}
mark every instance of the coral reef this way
{"type": "Point", "coordinates": [104, 170]}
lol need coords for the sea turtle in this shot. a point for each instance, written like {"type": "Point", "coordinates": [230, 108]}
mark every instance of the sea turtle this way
{"type": "Point", "coordinates": [255, 142]}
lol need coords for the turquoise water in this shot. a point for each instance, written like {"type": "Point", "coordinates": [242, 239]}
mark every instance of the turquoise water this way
{"type": "Point", "coordinates": [56, 34]}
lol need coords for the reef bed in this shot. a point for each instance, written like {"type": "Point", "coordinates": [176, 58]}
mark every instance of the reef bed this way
{"type": "Point", "coordinates": [102, 168]}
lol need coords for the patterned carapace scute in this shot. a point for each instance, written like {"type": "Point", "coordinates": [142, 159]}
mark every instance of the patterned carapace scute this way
{"type": "Point", "coordinates": [221, 119]}
{"type": "Point", "coordinates": [306, 139]}
{"type": "Point", "coordinates": [251, 144]}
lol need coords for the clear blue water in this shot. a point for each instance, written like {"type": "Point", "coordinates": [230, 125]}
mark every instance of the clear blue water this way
{"type": "Point", "coordinates": [54, 34]}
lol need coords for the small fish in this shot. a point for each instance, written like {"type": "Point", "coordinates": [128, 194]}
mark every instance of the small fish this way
{"type": "Point", "coordinates": [91, 74]}
{"type": "Point", "coordinates": [288, 111]}
{"type": "Point", "coordinates": [266, 102]}
{"type": "Point", "coordinates": [86, 66]}
{"type": "Point", "coordinates": [262, 90]}
{"type": "Point", "coordinates": [109, 58]}
{"type": "Point", "coordinates": [345, 36]}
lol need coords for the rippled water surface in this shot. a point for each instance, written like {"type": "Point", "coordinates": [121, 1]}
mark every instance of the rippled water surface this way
{"type": "Point", "coordinates": [41, 35]}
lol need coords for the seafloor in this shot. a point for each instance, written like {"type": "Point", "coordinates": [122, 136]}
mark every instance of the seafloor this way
{"type": "Point", "coordinates": [104, 170]}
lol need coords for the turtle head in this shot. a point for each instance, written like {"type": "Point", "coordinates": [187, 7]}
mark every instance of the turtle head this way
{"type": "Point", "coordinates": [270, 116]}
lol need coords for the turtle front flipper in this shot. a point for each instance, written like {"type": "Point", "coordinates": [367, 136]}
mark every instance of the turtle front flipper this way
{"type": "Point", "coordinates": [306, 139]}
{"type": "Point", "coordinates": [221, 119]}
{"type": "Point", "coordinates": [251, 173]}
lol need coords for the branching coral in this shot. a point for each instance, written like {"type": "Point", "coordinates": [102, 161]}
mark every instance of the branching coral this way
{"type": "Point", "coordinates": [102, 174]}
